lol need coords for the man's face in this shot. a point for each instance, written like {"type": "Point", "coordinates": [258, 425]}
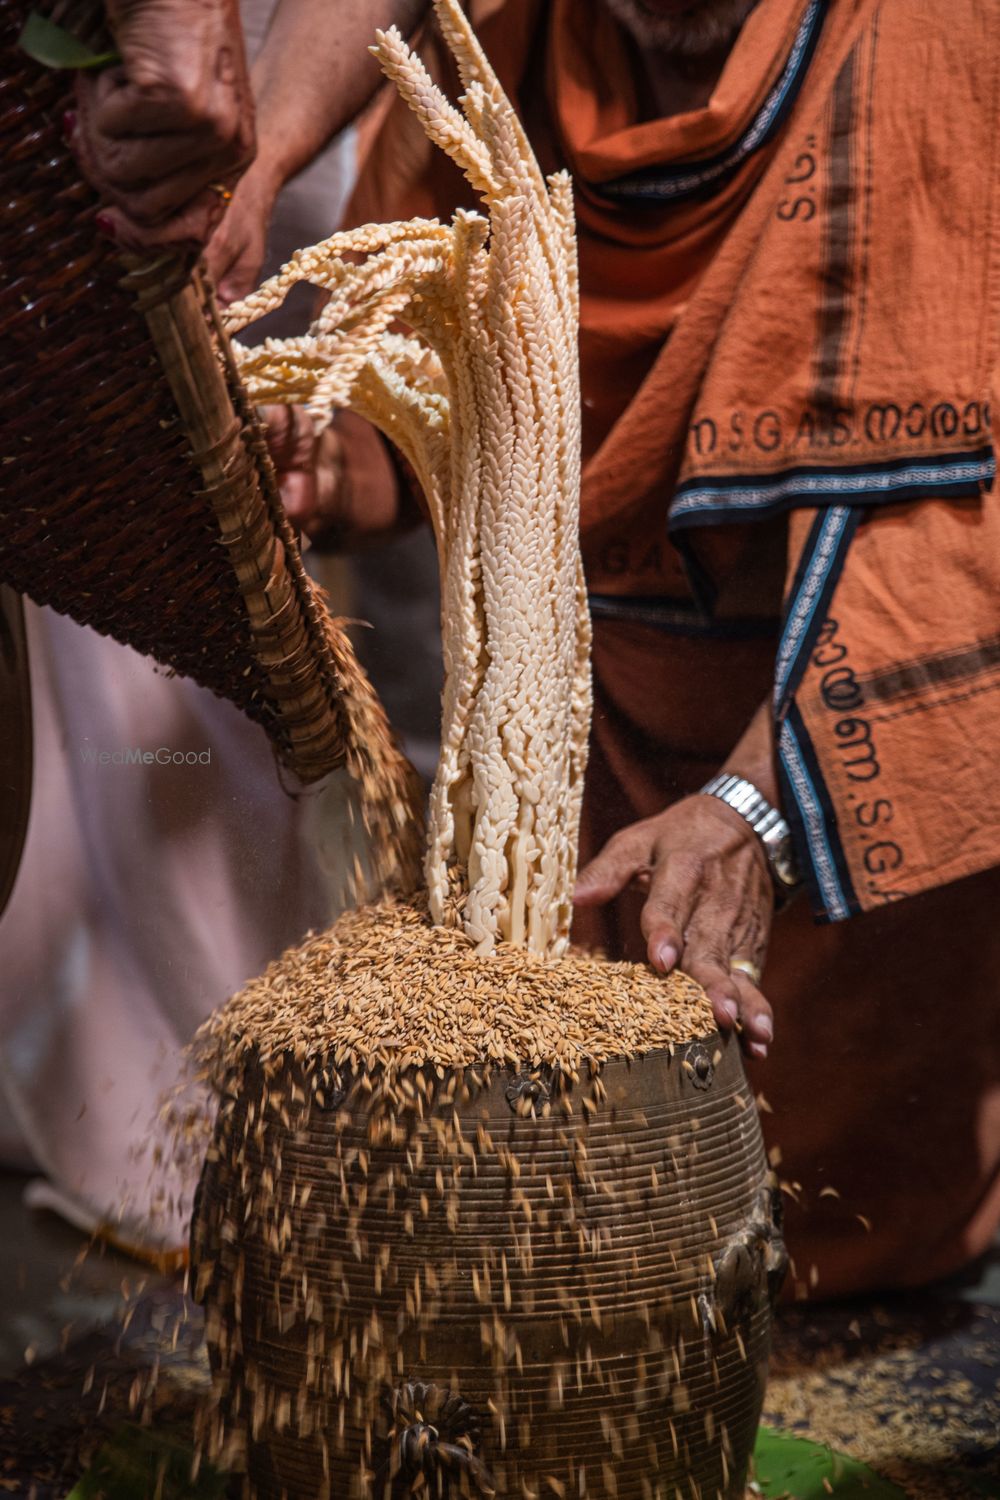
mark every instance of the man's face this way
{"type": "Point", "coordinates": [689, 28]}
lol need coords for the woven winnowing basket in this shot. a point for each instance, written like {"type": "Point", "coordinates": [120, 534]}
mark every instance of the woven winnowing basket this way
{"type": "Point", "coordinates": [136, 493]}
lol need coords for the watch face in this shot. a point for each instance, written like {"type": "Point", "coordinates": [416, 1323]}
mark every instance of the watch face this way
{"type": "Point", "coordinates": [783, 865]}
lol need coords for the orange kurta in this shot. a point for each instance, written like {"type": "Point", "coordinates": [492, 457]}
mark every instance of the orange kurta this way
{"type": "Point", "coordinates": [789, 310]}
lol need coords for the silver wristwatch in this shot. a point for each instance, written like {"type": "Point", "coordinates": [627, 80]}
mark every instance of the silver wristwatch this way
{"type": "Point", "coordinates": [767, 823]}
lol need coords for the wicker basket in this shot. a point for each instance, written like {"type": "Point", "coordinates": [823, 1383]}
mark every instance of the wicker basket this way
{"type": "Point", "coordinates": [136, 492]}
{"type": "Point", "coordinates": [617, 1347]}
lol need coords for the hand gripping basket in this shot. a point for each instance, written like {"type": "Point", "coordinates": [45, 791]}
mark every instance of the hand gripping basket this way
{"type": "Point", "coordinates": [136, 493]}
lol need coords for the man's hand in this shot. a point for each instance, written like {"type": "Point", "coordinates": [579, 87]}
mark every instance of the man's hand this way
{"type": "Point", "coordinates": [312, 78]}
{"type": "Point", "coordinates": [340, 484]}
{"type": "Point", "coordinates": [710, 901]}
{"type": "Point", "coordinates": [175, 116]}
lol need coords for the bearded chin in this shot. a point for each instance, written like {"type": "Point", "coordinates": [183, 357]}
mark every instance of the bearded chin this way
{"type": "Point", "coordinates": [709, 25]}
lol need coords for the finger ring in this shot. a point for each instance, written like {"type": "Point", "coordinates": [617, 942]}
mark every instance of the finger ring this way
{"type": "Point", "coordinates": [745, 966]}
{"type": "Point", "coordinates": [226, 194]}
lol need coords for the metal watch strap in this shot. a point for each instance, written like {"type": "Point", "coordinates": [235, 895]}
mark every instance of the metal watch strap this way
{"type": "Point", "coordinates": [767, 823]}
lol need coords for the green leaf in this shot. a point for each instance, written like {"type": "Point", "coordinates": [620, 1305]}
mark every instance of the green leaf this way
{"type": "Point", "coordinates": [137, 1462]}
{"type": "Point", "coordinates": [795, 1468]}
{"type": "Point", "coordinates": [54, 47]}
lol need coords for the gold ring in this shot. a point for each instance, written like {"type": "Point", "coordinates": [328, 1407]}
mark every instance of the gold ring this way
{"type": "Point", "coordinates": [745, 966]}
{"type": "Point", "coordinates": [226, 194]}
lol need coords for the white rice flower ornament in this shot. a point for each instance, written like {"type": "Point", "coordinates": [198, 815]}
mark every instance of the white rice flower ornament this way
{"type": "Point", "coordinates": [482, 397]}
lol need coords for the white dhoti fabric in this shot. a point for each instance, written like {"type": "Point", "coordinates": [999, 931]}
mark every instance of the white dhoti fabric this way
{"type": "Point", "coordinates": [164, 865]}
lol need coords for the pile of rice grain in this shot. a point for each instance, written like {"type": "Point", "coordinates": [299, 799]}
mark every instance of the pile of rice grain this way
{"type": "Point", "coordinates": [386, 987]}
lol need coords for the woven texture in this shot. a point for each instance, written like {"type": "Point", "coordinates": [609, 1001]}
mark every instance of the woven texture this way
{"type": "Point", "coordinates": [136, 494]}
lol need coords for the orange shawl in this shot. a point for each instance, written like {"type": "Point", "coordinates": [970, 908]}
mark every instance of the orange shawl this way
{"type": "Point", "coordinates": [789, 305]}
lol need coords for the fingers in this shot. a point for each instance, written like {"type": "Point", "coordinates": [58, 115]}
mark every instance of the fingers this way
{"type": "Point", "coordinates": [723, 930]}
{"type": "Point", "coordinates": [153, 204]}
{"type": "Point", "coordinates": [291, 437]}
{"type": "Point", "coordinates": [234, 256]}
{"type": "Point", "coordinates": [140, 161]}
{"type": "Point", "coordinates": [330, 505]}
{"type": "Point", "coordinates": [175, 117]}
{"type": "Point", "coordinates": [737, 1003]}
{"type": "Point", "coordinates": [673, 891]}
{"type": "Point", "coordinates": [297, 491]}
{"type": "Point", "coordinates": [192, 226]}
{"type": "Point", "coordinates": [151, 178]}
{"type": "Point", "coordinates": [308, 468]}
{"type": "Point", "coordinates": [755, 1015]}
{"type": "Point", "coordinates": [144, 104]}
{"type": "Point", "coordinates": [708, 947]}
{"type": "Point", "coordinates": [624, 857]}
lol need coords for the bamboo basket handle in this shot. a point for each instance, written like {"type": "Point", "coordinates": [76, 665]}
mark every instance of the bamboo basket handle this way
{"type": "Point", "coordinates": [291, 633]}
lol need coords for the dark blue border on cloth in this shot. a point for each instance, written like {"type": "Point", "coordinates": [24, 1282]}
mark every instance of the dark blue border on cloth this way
{"type": "Point", "coordinates": [668, 183]}
{"type": "Point", "coordinates": [815, 579]}
{"type": "Point", "coordinates": [813, 819]}
{"type": "Point", "coordinates": [842, 497]}
{"type": "Point", "coordinates": [705, 501]}
{"type": "Point", "coordinates": [805, 797]}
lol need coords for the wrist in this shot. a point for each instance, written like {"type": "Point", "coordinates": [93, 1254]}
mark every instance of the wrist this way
{"type": "Point", "coordinates": [266, 176]}
{"type": "Point", "coordinates": [764, 817]}
{"type": "Point", "coordinates": [753, 759]}
{"type": "Point", "coordinates": [760, 773]}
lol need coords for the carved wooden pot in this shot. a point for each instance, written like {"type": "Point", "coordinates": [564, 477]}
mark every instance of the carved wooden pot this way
{"type": "Point", "coordinates": [520, 1285]}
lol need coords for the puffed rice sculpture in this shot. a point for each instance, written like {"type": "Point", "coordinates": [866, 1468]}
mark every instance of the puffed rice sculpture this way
{"type": "Point", "coordinates": [481, 396]}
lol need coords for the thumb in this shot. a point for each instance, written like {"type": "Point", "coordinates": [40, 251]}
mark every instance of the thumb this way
{"type": "Point", "coordinates": [235, 253]}
{"type": "Point", "coordinates": [236, 284]}
{"type": "Point", "coordinates": [234, 256]}
{"type": "Point", "coordinates": [228, 259]}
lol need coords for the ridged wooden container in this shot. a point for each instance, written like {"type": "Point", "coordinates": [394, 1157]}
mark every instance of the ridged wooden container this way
{"type": "Point", "coordinates": [585, 1310]}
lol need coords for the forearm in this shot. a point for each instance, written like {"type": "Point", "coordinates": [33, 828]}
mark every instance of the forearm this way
{"type": "Point", "coordinates": [753, 755]}
{"type": "Point", "coordinates": [314, 75]}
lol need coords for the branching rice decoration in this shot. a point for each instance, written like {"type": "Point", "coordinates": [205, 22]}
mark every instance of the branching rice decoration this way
{"type": "Point", "coordinates": [481, 395]}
